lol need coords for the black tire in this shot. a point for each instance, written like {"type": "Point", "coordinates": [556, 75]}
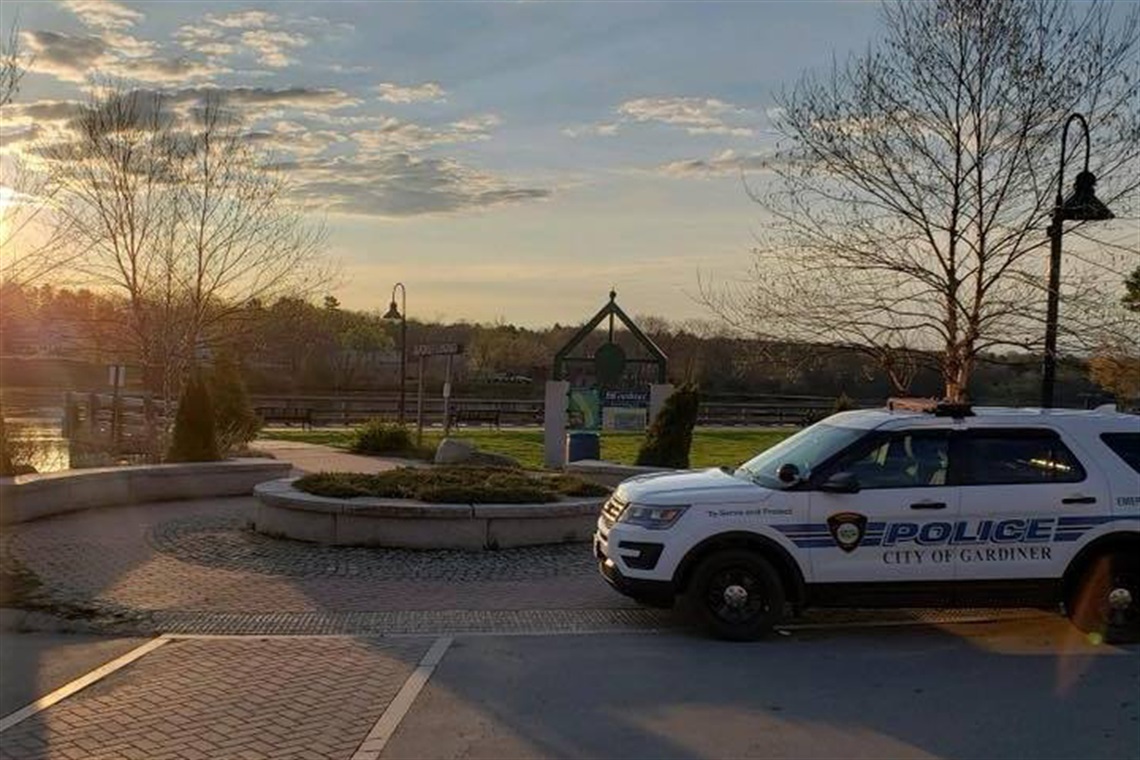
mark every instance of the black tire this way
{"type": "Point", "coordinates": [726, 574]}
{"type": "Point", "coordinates": [1090, 606]}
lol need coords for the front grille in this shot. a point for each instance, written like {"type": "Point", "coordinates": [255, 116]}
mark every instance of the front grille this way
{"type": "Point", "coordinates": [612, 510]}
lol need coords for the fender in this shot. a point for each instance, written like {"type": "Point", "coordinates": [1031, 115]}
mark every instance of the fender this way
{"type": "Point", "coordinates": [786, 565]}
{"type": "Point", "coordinates": [1123, 540]}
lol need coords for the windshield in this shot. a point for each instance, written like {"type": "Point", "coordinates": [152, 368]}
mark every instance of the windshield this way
{"type": "Point", "coordinates": [806, 449]}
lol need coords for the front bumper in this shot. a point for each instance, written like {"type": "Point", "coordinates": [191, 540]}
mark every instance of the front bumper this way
{"type": "Point", "coordinates": [637, 588]}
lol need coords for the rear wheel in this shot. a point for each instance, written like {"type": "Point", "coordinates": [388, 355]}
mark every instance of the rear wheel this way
{"type": "Point", "coordinates": [736, 594]}
{"type": "Point", "coordinates": [1106, 601]}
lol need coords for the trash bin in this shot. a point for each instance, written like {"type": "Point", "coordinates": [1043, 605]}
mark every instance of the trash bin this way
{"type": "Point", "coordinates": [580, 445]}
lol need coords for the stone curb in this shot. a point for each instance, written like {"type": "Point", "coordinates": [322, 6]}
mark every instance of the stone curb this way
{"type": "Point", "coordinates": [282, 510]}
{"type": "Point", "coordinates": [31, 497]}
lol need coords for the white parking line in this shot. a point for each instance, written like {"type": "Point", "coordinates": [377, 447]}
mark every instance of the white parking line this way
{"type": "Point", "coordinates": [82, 682]}
{"type": "Point", "coordinates": [378, 737]}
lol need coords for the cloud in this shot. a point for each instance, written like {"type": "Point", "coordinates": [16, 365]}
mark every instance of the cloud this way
{"type": "Point", "coordinates": [296, 139]}
{"type": "Point", "coordinates": [600, 130]}
{"type": "Point", "coordinates": [251, 19]}
{"type": "Point", "coordinates": [40, 111]}
{"type": "Point", "coordinates": [725, 162]}
{"type": "Point", "coordinates": [273, 47]}
{"type": "Point", "coordinates": [104, 14]}
{"type": "Point", "coordinates": [394, 134]}
{"type": "Point", "coordinates": [160, 70]}
{"type": "Point", "coordinates": [394, 93]}
{"type": "Point", "coordinates": [112, 20]}
{"type": "Point", "coordinates": [67, 56]}
{"type": "Point", "coordinates": [316, 98]}
{"type": "Point", "coordinates": [400, 185]}
{"type": "Point", "coordinates": [206, 40]}
{"type": "Point", "coordinates": [696, 115]}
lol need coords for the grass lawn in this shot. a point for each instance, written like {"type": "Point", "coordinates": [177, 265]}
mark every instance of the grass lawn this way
{"type": "Point", "coordinates": [711, 446]}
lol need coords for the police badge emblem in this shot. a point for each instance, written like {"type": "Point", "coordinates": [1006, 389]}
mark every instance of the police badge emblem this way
{"type": "Point", "coordinates": [847, 528]}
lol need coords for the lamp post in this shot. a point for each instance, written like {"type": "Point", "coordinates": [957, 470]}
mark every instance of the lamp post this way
{"type": "Point", "coordinates": [1082, 205]}
{"type": "Point", "coordinates": [402, 315]}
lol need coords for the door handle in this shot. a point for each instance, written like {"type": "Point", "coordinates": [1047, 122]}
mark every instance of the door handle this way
{"type": "Point", "coordinates": [928, 505]}
{"type": "Point", "coordinates": [1079, 500]}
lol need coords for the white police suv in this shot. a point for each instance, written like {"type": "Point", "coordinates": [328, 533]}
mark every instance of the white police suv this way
{"type": "Point", "coordinates": [918, 504]}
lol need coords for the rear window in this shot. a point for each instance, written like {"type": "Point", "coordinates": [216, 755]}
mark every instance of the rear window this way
{"type": "Point", "coordinates": [1126, 446]}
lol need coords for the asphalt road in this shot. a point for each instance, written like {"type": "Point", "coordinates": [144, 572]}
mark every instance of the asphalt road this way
{"type": "Point", "coordinates": [35, 664]}
{"type": "Point", "coordinates": [1011, 690]}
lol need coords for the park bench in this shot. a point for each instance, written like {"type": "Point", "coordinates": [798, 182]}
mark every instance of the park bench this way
{"type": "Point", "coordinates": [286, 414]}
{"type": "Point", "coordinates": [476, 415]}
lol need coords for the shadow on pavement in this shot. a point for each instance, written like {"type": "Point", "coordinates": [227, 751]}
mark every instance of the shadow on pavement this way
{"type": "Point", "coordinates": [1010, 690]}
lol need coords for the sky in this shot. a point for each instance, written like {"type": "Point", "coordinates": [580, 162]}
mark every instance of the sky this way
{"type": "Point", "coordinates": [504, 160]}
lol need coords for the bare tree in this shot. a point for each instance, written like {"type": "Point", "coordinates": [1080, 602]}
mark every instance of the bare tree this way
{"type": "Point", "coordinates": [12, 67]}
{"type": "Point", "coordinates": [29, 251]}
{"type": "Point", "coordinates": [909, 198]}
{"type": "Point", "coordinates": [173, 209]}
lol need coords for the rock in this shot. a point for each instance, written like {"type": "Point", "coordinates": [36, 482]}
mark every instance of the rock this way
{"type": "Point", "coordinates": [452, 451]}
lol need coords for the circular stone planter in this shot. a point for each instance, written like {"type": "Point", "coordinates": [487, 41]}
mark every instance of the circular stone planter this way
{"type": "Point", "coordinates": [284, 511]}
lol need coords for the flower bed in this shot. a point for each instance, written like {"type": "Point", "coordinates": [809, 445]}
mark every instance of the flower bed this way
{"type": "Point", "coordinates": [451, 485]}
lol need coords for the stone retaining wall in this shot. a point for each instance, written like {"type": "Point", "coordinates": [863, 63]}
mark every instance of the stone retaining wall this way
{"type": "Point", "coordinates": [282, 510]}
{"type": "Point", "coordinates": [30, 497]}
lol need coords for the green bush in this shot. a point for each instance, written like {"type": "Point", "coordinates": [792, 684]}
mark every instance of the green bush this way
{"type": "Point", "coordinates": [670, 436]}
{"type": "Point", "coordinates": [235, 422]}
{"type": "Point", "coordinates": [450, 485]}
{"type": "Point", "coordinates": [195, 438]}
{"type": "Point", "coordinates": [378, 437]}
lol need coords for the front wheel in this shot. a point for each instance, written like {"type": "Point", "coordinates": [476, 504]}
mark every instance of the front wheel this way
{"type": "Point", "coordinates": [736, 594]}
{"type": "Point", "coordinates": [1106, 602]}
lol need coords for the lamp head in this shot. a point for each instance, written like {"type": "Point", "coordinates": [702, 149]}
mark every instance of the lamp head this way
{"type": "Point", "coordinates": [1083, 205]}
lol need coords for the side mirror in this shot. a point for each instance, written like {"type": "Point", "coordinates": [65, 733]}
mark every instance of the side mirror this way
{"type": "Point", "coordinates": [788, 473]}
{"type": "Point", "coordinates": [840, 482]}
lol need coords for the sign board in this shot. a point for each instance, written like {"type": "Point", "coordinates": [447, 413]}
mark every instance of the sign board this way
{"type": "Point", "coordinates": [624, 418]}
{"type": "Point", "coordinates": [628, 399]}
{"type": "Point", "coordinates": [117, 375]}
{"type": "Point", "coordinates": [437, 349]}
{"type": "Point", "coordinates": [583, 409]}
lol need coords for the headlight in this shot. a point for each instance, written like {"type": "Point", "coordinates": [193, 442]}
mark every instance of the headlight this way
{"type": "Point", "coordinates": [654, 518]}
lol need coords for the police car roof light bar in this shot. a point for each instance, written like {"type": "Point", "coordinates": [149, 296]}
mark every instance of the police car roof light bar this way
{"type": "Point", "coordinates": [930, 406]}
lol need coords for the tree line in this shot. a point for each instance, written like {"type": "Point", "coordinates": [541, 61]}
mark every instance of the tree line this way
{"type": "Point", "coordinates": [293, 345]}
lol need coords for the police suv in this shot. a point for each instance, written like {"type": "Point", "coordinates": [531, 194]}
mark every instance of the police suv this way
{"type": "Point", "coordinates": [918, 504]}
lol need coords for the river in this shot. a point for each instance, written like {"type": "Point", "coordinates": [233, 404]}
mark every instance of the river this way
{"type": "Point", "coordinates": [32, 418]}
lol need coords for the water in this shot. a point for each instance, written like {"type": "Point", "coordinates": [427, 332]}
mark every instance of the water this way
{"type": "Point", "coordinates": [32, 418]}
{"type": "Point", "coordinates": [38, 442]}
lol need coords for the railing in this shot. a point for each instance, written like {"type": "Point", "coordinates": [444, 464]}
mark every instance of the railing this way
{"type": "Point", "coordinates": [733, 411]}
{"type": "Point", "coordinates": [102, 428]}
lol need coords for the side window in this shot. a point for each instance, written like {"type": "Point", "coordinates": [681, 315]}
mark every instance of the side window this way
{"type": "Point", "coordinates": [899, 460]}
{"type": "Point", "coordinates": [1009, 457]}
{"type": "Point", "coordinates": [1126, 446]}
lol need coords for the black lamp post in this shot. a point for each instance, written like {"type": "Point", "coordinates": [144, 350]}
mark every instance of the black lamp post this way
{"type": "Point", "coordinates": [1082, 205]}
{"type": "Point", "coordinates": [402, 315]}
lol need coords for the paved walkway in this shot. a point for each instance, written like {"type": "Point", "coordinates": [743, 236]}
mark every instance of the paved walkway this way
{"type": "Point", "coordinates": [310, 457]}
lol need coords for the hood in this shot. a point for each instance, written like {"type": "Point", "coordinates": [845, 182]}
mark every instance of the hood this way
{"type": "Point", "coordinates": [689, 487]}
